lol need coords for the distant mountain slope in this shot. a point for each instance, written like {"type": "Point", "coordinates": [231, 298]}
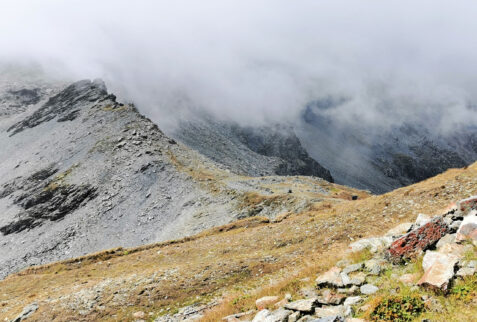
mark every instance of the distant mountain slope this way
{"type": "Point", "coordinates": [255, 151]}
{"type": "Point", "coordinates": [368, 158]}
{"type": "Point", "coordinates": [351, 154]}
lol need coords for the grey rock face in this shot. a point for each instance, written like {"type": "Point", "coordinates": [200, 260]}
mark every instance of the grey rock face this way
{"type": "Point", "coordinates": [49, 203]}
{"type": "Point", "coordinates": [255, 151]}
{"type": "Point", "coordinates": [381, 159]}
{"type": "Point", "coordinates": [68, 187]}
{"type": "Point", "coordinates": [27, 311]}
{"type": "Point", "coordinates": [81, 172]}
{"type": "Point", "coordinates": [66, 190]}
{"type": "Point", "coordinates": [65, 105]}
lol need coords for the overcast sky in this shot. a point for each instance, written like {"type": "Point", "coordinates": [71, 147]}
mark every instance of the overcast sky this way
{"type": "Point", "coordinates": [260, 60]}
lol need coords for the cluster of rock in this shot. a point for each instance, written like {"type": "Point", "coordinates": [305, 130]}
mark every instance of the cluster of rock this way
{"type": "Point", "coordinates": [337, 292]}
{"type": "Point", "coordinates": [444, 240]}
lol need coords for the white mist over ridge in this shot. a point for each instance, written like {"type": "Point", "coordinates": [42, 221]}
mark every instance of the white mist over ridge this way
{"type": "Point", "coordinates": [261, 61]}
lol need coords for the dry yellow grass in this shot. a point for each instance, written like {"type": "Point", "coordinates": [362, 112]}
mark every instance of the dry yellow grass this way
{"type": "Point", "coordinates": [236, 263]}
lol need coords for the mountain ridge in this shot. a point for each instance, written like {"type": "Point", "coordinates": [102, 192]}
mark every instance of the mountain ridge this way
{"type": "Point", "coordinates": [82, 172]}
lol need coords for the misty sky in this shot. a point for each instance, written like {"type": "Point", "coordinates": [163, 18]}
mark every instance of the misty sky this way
{"type": "Point", "coordinates": [260, 60]}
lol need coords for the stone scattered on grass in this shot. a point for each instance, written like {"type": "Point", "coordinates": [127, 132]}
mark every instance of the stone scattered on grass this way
{"type": "Point", "coordinates": [438, 270]}
{"type": "Point", "coordinates": [235, 317]}
{"type": "Point", "coordinates": [308, 318]}
{"type": "Point", "coordinates": [374, 244]}
{"type": "Point", "coordinates": [329, 297]}
{"type": "Point", "coordinates": [353, 268]}
{"type": "Point", "coordinates": [368, 289]}
{"type": "Point", "coordinates": [327, 311]}
{"type": "Point", "coordinates": [280, 315]}
{"type": "Point", "coordinates": [357, 279]}
{"type": "Point", "coordinates": [421, 220]}
{"type": "Point", "coordinates": [399, 230]}
{"type": "Point", "coordinates": [336, 303]}
{"type": "Point", "coordinates": [467, 268]}
{"type": "Point", "coordinates": [283, 301]}
{"type": "Point", "coordinates": [352, 290]}
{"type": "Point", "coordinates": [139, 315]}
{"type": "Point", "coordinates": [306, 305]}
{"type": "Point", "coordinates": [336, 318]}
{"type": "Point", "coordinates": [409, 279]}
{"type": "Point", "coordinates": [265, 301]}
{"type": "Point", "coordinates": [27, 311]}
{"type": "Point", "coordinates": [447, 239]}
{"type": "Point", "coordinates": [467, 204]}
{"type": "Point", "coordinates": [373, 266]}
{"type": "Point", "coordinates": [352, 300]}
{"type": "Point", "coordinates": [331, 278]}
{"type": "Point", "coordinates": [468, 228]}
{"type": "Point", "coordinates": [261, 316]}
{"type": "Point", "coordinates": [294, 317]}
{"type": "Point", "coordinates": [454, 225]}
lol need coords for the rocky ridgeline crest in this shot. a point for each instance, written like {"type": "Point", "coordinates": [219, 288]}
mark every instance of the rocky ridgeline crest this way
{"type": "Point", "coordinates": [340, 292]}
{"type": "Point", "coordinates": [66, 105]}
{"type": "Point", "coordinates": [82, 172]}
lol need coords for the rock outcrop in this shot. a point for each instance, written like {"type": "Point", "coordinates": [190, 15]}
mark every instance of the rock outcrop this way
{"type": "Point", "coordinates": [418, 240]}
{"type": "Point", "coordinates": [340, 298]}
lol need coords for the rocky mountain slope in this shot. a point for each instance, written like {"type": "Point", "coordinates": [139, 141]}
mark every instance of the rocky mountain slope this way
{"type": "Point", "coordinates": [370, 158]}
{"type": "Point", "coordinates": [382, 159]}
{"type": "Point", "coordinates": [254, 151]}
{"type": "Point", "coordinates": [226, 272]}
{"type": "Point", "coordinates": [83, 172]}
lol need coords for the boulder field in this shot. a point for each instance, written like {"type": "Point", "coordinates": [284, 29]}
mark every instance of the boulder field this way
{"type": "Point", "coordinates": [442, 244]}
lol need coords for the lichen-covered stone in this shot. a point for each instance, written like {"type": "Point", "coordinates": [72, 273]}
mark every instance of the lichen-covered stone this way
{"type": "Point", "coordinates": [418, 240]}
{"type": "Point", "coordinates": [467, 204]}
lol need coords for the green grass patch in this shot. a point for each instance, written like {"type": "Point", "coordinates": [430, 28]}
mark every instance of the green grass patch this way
{"type": "Point", "coordinates": [398, 308]}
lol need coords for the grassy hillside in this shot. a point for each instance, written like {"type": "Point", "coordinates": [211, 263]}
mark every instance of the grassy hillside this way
{"type": "Point", "coordinates": [232, 265]}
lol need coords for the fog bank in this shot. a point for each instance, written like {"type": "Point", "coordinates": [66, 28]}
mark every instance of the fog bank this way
{"type": "Point", "coordinates": [261, 61]}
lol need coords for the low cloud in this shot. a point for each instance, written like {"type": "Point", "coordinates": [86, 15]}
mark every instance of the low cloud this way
{"type": "Point", "coordinates": [261, 61]}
